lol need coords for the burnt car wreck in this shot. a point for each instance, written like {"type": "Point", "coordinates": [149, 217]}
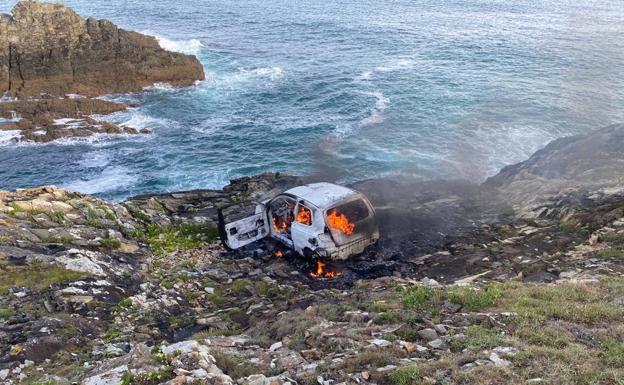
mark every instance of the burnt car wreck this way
{"type": "Point", "coordinates": [318, 220]}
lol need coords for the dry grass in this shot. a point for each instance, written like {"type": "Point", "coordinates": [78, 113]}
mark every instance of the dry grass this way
{"type": "Point", "coordinates": [36, 277]}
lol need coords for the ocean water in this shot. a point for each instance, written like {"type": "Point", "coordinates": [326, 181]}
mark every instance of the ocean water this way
{"type": "Point", "coordinates": [347, 90]}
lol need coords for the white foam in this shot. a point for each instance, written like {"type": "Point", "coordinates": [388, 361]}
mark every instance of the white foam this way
{"type": "Point", "coordinates": [396, 65]}
{"type": "Point", "coordinates": [9, 136]}
{"type": "Point", "coordinates": [376, 113]}
{"type": "Point", "coordinates": [95, 159]}
{"type": "Point", "coordinates": [399, 64]}
{"type": "Point", "coordinates": [189, 47]}
{"type": "Point", "coordinates": [112, 178]}
{"type": "Point", "coordinates": [244, 75]}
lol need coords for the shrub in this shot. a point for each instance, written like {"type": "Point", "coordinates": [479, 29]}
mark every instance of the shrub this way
{"type": "Point", "coordinates": [167, 239]}
{"type": "Point", "coordinates": [421, 298]}
{"type": "Point", "coordinates": [405, 375]}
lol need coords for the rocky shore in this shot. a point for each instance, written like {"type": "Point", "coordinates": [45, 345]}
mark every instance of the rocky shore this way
{"type": "Point", "coordinates": [469, 285]}
{"type": "Point", "coordinates": [49, 56]}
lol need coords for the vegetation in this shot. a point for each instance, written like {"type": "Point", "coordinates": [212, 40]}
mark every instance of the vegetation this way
{"type": "Point", "coordinates": [472, 299]}
{"type": "Point", "coordinates": [36, 277]}
{"type": "Point", "coordinates": [233, 365]}
{"type": "Point", "coordinates": [167, 239]}
{"type": "Point", "coordinates": [110, 243]}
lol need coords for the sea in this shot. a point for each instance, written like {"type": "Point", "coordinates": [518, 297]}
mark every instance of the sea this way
{"type": "Point", "coordinates": [344, 90]}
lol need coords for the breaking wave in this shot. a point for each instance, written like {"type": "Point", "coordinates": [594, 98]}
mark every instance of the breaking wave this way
{"type": "Point", "coordinates": [112, 178]}
{"type": "Point", "coordinates": [233, 80]}
{"type": "Point", "coordinates": [9, 137]}
{"type": "Point", "coordinates": [189, 47]}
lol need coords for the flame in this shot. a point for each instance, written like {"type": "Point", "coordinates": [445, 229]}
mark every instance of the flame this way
{"type": "Point", "coordinates": [340, 222]}
{"type": "Point", "coordinates": [279, 253]}
{"type": "Point", "coordinates": [304, 216]}
{"type": "Point", "coordinates": [322, 272]}
{"type": "Point", "coordinates": [279, 225]}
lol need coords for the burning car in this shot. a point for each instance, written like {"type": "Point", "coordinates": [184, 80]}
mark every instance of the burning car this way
{"type": "Point", "coordinates": [321, 220]}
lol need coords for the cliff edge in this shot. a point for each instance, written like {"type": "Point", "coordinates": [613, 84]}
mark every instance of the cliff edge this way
{"type": "Point", "coordinates": [50, 49]}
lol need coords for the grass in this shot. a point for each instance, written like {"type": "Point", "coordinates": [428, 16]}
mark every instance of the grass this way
{"type": "Point", "coordinates": [571, 302]}
{"type": "Point", "coordinates": [36, 277]}
{"type": "Point", "coordinates": [148, 378]}
{"type": "Point", "coordinates": [611, 253]}
{"type": "Point", "coordinates": [472, 299]}
{"type": "Point", "coordinates": [4, 240]}
{"type": "Point", "coordinates": [110, 243]}
{"type": "Point", "coordinates": [6, 313]}
{"type": "Point", "coordinates": [168, 239]}
{"type": "Point", "coordinates": [138, 214]}
{"type": "Point", "coordinates": [422, 298]}
{"type": "Point", "coordinates": [479, 338]}
{"type": "Point", "coordinates": [406, 375]}
{"type": "Point", "coordinates": [374, 359]}
{"type": "Point", "coordinates": [614, 353]}
{"type": "Point", "coordinates": [235, 366]}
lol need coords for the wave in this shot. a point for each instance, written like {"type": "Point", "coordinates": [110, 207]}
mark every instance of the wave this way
{"type": "Point", "coordinates": [233, 80]}
{"type": "Point", "coordinates": [376, 113]}
{"type": "Point", "coordinates": [112, 178]}
{"type": "Point", "coordinates": [9, 137]}
{"type": "Point", "coordinates": [188, 47]}
{"type": "Point", "coordinates": [395, 65]}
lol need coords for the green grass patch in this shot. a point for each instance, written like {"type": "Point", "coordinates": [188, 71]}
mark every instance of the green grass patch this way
{"type": "Point", "coordinates": [138, 214]}
{"type": "Point", "coordinates": [6, 313]}
{"type": "Point", "coordinates": [36, 277]}
{"type": "Point", "coordinates": [148, 378]}
{"type": "Point", "coordinates": [167, 239]}
{"type": "Point", "coordinates": [422, 298]}
{"type": "Point", "coordinates": [611, 253]}
{"type": "Point", "coordinates": [614, 353]}
{"type": "Point", "coordinates": [478, 338]}
{"type": "Point", "coordinates": [4, 240]}
{"type": "Point", "coordinates": [571, 302]}
{"type": "Point", "coordinates": [406, 375]}
{"type": "Point", "coordinates": [472, 299]}
{"type": "Point", "coordinates": [110, 243]}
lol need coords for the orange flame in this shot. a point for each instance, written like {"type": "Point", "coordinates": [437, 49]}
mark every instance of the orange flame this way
{"type": "Point", "coordinates": [304, 216]}
{"type": "Point", "coordinates": [340, 222]}
{"type": "Point", "coordinates": [279, 225]}
{"type": "Point", "coordinates": [322, 272]}
{"type": "Point", "coordinates": [279, 253]}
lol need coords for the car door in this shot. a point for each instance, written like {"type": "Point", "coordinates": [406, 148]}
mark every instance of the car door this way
{"type": "Point", "coordinates": [244, 231]}
{"type": "Point", "coordinates": [304, 228]}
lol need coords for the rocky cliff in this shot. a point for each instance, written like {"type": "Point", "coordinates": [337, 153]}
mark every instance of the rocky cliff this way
{"type": "Point", "coordinates": [49, 48]}
{"type": "Point", "coordinates": [461, 289]}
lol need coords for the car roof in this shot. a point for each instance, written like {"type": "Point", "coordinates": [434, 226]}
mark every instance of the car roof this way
{"type": "Point", "coordinates": [323, 195]}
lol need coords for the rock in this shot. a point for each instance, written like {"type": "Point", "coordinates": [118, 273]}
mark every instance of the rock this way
{"type": "Point", "coordinates": [4, 374]}
{"type": "Point", "coordinates": [109, 377]}
{"type": "Point", "coordinates": [437, 344]}
{"type": "Point", "coordinates": [183, 347]}
{"type": "Point", "coordinates": [430, 283]}
{"type": "Point", "coordinates": [275, 346]}
{"type": "Point", "coordinates": [441, 329]}
{"type": "Point", "coordinates": [495, 358]}
{"type": "Point", "coordinates": [49, 48]}
{"type": "Point", "coordinates": [386, 368]}
{"type": "Point", "coordinates": [428, 334]}
{"type": "Point", "coordinates": [78, 262]}
{"type": "Point", "coordinates": [380, 342]}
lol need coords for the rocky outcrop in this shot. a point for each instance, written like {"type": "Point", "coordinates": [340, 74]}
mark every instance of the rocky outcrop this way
{"type": "Point", "coordinates": [49, 48]}
{"type": "Point", "coordinates": [46, 120]}
{"type": "Point", "coordinates": [588, 165]}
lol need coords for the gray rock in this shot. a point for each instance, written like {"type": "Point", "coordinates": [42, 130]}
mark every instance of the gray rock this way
{"type": "Point", "coordinates": [183, 347]}
{"type": "Point", "coordinates": [428, 334]}
{"type": "Point", "coordinates": [495, 358]}
{"type": "Point", "coordinates": [437, 344]}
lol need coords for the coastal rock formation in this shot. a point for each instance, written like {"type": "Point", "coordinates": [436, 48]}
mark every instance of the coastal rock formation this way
{"type": "Point", "coordinates": [50, 49]}
{"type": "Point", "coordinates": [566, 168]}
{"type": "Point", "coordinates": [45, 120]}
